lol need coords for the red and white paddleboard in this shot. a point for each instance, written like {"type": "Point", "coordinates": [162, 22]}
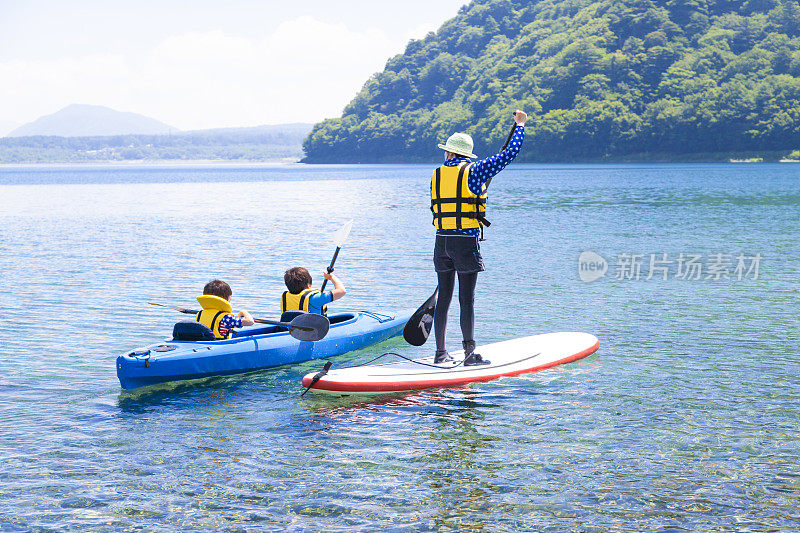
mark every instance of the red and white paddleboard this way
{"type": "Point", "coordinates": [508, 358]}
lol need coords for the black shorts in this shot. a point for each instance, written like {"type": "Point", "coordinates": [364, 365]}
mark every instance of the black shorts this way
{"type": "Point", "coordinates": [461, 253]}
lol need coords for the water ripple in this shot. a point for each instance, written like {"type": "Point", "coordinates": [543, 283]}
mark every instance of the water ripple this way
{"type": "Point", "coordinates": [685, 420]}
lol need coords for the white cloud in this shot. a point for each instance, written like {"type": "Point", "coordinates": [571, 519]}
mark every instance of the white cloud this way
{"type": "Point", "coordinates": [305, 70]}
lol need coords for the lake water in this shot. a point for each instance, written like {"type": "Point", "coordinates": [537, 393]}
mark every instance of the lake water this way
{"type": "Point", "coordinates": [685, 419]}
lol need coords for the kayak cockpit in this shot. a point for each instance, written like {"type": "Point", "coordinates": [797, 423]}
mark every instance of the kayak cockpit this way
{"type": "Point", "coordinates": [193, 331]}
{"type": "Point", "coordinates": [341, 318]}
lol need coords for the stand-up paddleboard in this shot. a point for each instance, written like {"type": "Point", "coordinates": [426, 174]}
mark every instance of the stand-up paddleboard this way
{"type": "Point", "coordinates": [508, 358]}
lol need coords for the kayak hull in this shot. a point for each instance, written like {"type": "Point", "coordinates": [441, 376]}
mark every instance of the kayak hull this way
{"type": "Point", "coordinates": [253, 348]}
{"type": "Point", "coordinates": [508, 358]}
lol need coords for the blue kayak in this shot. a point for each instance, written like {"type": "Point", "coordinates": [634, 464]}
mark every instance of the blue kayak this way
{"type": "Point", "coordinates": [253, 348]}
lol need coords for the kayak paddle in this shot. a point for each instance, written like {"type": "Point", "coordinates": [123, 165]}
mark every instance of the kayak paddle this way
{"type": "Point", "coordinates": [419, 325]}
{"type": "Point", "coordinates": [305, 327]}
{"type": "Point", "coordinates": [338, 240]}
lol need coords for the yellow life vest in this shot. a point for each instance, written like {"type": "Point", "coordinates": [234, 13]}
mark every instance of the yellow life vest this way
{"type": "Point", "coordinates": [453, 205]}
{"type": "Point", "coordinates": [214, 310]}
{"type": "Point", "coordinates": [299, 301]}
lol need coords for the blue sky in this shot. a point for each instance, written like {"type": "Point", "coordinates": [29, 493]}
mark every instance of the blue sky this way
{"type": "Point", "coordinates": [201, 64]}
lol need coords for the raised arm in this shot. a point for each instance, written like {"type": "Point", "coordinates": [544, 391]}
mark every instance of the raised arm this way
{"type": "Point", "coordinates": [482, 171]}
{"type": "Point", "coordinates": [338, 287]}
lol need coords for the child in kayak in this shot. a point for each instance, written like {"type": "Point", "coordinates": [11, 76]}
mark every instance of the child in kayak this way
{"type": "Point", "coordinates": [301, 297]}
{"type": "Point", "coordinates": [217, 312]}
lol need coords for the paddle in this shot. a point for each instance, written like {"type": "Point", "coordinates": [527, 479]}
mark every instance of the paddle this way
{"type": "Point", "coordinates": [338, 240]}
{"type": "Point", "coordinates": [505, 145]}
{"type": "Point", "coordinates": [510, 133]}
{"type": "Point", "coordinates": [305, 327]}
{"type": "Point", "coordinates": [418, 327]}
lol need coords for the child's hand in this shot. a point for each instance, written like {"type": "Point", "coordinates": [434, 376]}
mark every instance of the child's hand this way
{"type": "Point", "coordinates": [338, 289]}
{"type": "Point", "coordinates": [247, 319]}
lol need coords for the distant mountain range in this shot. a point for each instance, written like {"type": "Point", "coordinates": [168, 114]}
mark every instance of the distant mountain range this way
{"type": "Point", "coordinates": [78, 120]}
{"type": "Point", "coordinates": [280, 142]}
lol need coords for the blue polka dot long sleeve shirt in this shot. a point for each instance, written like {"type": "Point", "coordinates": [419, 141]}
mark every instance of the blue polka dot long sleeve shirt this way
{"type": "Point", "coordinates": [482, 171]}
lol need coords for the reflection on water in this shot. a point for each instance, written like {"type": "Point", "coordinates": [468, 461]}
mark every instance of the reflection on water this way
{"type": "Point", "coordinates": [685, 420]}
{"type": "Point", "coordinates": [451, 446]}
{"type": "Point", "coordinates": [457, 471]}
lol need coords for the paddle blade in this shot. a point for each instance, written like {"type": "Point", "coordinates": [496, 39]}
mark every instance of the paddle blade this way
{"type": "Point", "coordinates": [318, 324]}
{"type": "Point", "coordinates": [342, 234]}
{"type": "Point", "coordinates": [419, 326]}
{"type": "Point", "coordinates": [178, 309]}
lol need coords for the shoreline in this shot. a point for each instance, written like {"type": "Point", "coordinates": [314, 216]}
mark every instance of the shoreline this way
{"type": "Point", "coordinates": [133, 163]}
{"type": "Point", "coordinates": [9, 168]}
{"type": "Point", "coordinates": [429, 159]}
{"type": "Point", "coordinates": [154, 162]}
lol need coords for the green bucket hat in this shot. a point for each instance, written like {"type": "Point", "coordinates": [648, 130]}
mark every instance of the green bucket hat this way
{"type": "Point", "coordinates": [459, 143]}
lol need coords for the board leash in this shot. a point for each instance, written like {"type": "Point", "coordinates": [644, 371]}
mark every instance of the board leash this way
{"type": "Point", "coordinates": [319, 375]}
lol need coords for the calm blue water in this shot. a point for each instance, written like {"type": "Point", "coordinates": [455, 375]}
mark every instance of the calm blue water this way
{"type": "Point", "coordinates": [686, 419]}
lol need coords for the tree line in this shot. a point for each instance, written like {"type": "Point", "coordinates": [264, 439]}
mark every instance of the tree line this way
{"type": "Point", "coordinates": [599, 79]}
{"type": "Point", "coordinates": [249, 144]}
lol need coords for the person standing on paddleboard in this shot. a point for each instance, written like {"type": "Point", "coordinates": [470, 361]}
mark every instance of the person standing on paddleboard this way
{"type": "Point", "coordinates": [458, 203]}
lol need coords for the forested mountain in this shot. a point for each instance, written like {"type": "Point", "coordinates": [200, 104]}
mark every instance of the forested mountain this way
{"type": "Point", "coordinates": [600, 79]}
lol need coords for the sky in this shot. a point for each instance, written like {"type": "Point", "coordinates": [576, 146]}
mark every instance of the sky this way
{"type": "Point", "coordinates": [201, 64]}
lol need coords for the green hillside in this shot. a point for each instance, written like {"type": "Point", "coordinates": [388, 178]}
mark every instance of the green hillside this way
{"type": "Point", "coordinates": [607, 79]}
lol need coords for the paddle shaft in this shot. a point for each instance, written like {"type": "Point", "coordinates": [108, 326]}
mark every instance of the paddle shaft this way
{"type": "Point", "coordinates": [505, 145]}
{"type": "Point", "coordinates": [330, 267]}
{"type": "Point", "coordinates": [257, 320]}
{"type": "Point", "coordinates": [278, 323]}
{"type": "Point", "coordinates": [510, 134]}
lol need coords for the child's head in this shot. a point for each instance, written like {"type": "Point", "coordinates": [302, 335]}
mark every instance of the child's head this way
{"type": "Point", "coordinates": [297, 279]}
{"type": "Point", "coordinates": [217, 287]}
